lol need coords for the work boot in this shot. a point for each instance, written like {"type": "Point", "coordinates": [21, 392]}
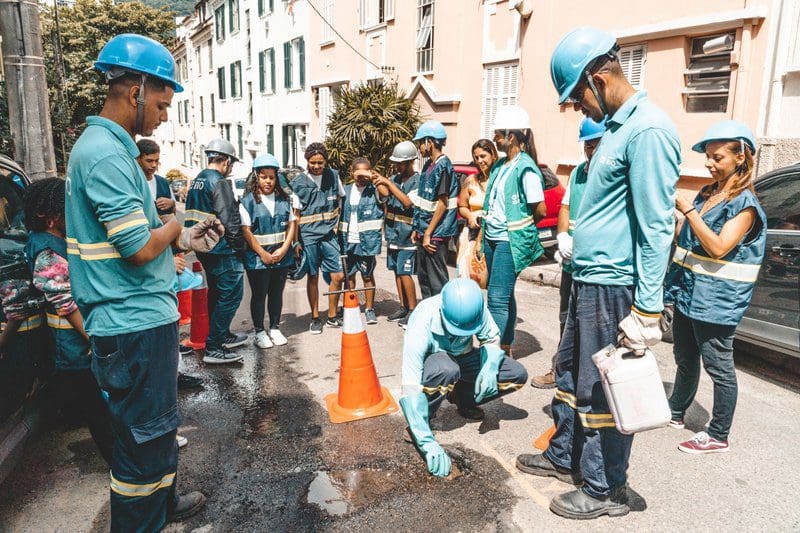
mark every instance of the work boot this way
{"type": "Point", "coordinates": [539, 465]}
{"type": "Point", "coordinates": [471, 412]}
{"type": "Point", "coordinates": [578, 505]}
{"type": "Point", "coordinates": [188, 505]}
{"type": "Point", "coordinates": [186, 381]}
{"type": "Point", "coordinates": [397, 315]}
{"type": "Point", "coordinates": [545, 381]}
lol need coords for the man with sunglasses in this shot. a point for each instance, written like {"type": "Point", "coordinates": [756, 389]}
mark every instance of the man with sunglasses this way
{"type": "Point", "coordinates": [621, 241]}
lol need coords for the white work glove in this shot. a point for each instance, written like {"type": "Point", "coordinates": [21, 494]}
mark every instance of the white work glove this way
{"type": "Point", "coordinates": [201, 237]}
{"type": "Point", "coordinates": [565, 245]}
{"type": "Point", "coordinates": [559, 259]}
{"type": "Point", "coordinates": [639, 331]}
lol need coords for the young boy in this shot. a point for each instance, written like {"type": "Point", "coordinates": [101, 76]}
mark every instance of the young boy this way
{"type": "Point", "coordinates": [396, 192]}
{"type": "Point", "coordinates": [360, 231]}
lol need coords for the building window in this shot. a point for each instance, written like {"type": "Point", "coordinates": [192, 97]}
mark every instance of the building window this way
{"type": "Point", "coordinates": [250, 101]}
{"type": "Point", "coordinates": [373, 12]}
{"type": "Point", "coordinates": [219, 22]}
{"type": "Point", "coordinates": [184, 153]}
{"type": "Point", "coordinates": [708, 75]}
{"type": "Point", "coordinates": [198, 59]}
{"type": "Point", "coordinates": [233, 16]}
{"type": "Point", "coordinates": [294, 68]}
{"type": "Point", "coordinates": [202, 112]}
{"type": "Point", "coordinates": [225, 131]}
{"type": "Point", "coordinates": [265, 6]}
{"type": "Point", "coordinates": [270, 139]}
{"type": "Point", "coordinates": [186, 111]}
{"type": "Point", "coordinates": [294, 136]}
{"type": "Point", "coordinates": [266, 71]}
{"type": "Point", "coordinates": [236, 79]}
{"type": "Point", "coordinates": [210, 56]}
{"type": "Point", "coordinates": [500, 88]}
{"type": "Point", "coordinates": [249, 45]}
{"type": "Point", "coordinates": [424, 35]}
{"type": "Point", "coordinates": [327, 14]}
{"type": "Point", "coordinates": [631, 59]}
{"type": "Point", "coordinates": [213, 110]}
{"type": "Point", "coordinates": [326, 102]}
{"type": "Point", "coordinates": [240, 138]}
{"type": "Point", "coordinates": [221, 82]}
{"type": "Point", "coordinates": [180, 112]}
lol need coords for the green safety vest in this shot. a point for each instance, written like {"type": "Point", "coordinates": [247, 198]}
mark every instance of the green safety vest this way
{"type": "Point", "coordinates": [577, 184]}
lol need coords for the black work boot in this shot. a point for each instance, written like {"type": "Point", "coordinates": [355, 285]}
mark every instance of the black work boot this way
{"type": "Point", "coordinates": [539, 465]}
{"type": "Point", "coordinates": [578, 505]}
{"type": "Point", "coordinates": [188, 505]}
{"type": "Point", "coordinates": [185, 381]}
{"type": "Point", "coordinates": [466, 409]}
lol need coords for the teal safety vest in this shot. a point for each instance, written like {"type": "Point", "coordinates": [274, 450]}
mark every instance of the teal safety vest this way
{"type": "Point", "coordinates": [427, 196]}
{"type": "Point", "coordinates": [717, 290]}
{"type": "Point", "coordinates": [269, 230]}
{"type": "Point", "coordinates": [319, 206]}
{"type": "Point", "coordinates": [397, 227]}
{"type": "Point", "coordinates": [200, 204]}
{"type": "Point", "coordinates": [162, 191]}
{"type": "Point", "coordinates": [370, 222]}
{"type": "Point", "coordinates": [523, 237]}
{"type": "Point", "coordinates": [577, 184]}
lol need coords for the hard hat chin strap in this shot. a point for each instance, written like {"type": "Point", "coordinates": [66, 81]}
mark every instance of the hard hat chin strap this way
{"type": "Point", "coordinates": [137, 128]}
{"type": "Point", "coordinates": [596, 94]}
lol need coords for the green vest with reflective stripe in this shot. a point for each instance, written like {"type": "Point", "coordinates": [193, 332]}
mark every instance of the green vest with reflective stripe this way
{"type": "Point", "coordinates": [523, 236]}
{"type": "Point", "coordinates": [577, 184]}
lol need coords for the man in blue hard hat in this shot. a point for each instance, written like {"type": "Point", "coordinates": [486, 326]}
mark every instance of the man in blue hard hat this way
{"type": "Point", "coordinates": [122, 275]}
{"type": "Point", "coordinates": [622, 237]}
{"type": "Point", "coordinates": [439, 361]}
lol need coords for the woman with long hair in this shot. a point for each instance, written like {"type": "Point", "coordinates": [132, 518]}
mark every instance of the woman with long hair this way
{"type": "Point", "coordinates": [470, 202]}
{"type": "Point", "coordinates": [710, 281]}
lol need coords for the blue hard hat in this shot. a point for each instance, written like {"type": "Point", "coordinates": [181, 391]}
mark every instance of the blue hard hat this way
{"type": "Point", "coordinates": [573, 54]}
{"type": "Point", "coordinates": [727, 130]}
{"type": "Point", "coordinates": [462, 307]}
{"type": "Point", "coordinates": [591, 130]}
{"type": "Point", "coordinates": [266, 160]}
{"type": "Point", "coordinates": [300, 268]}
{"type": "Point", "coordinates": [137, 53]}
{"type": "Point", "coordinates": [432, 129]}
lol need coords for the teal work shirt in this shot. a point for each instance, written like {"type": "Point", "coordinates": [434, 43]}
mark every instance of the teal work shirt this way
{"type": "Point", "coordinates": [625, 224]}
{"type": "Point", "coordinates": [110, 212]}
{"type": "Point", "coordinates": [426, 335]}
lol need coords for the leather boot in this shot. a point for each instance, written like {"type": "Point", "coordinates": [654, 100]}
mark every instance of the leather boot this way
{"type": "Point", "coordinates": [545, 381]}
{"type": "Point", "coordinates": [539, 465]}
{"type": "Point", "coordinates": [188, 505]}
{"type": "Point", "coordinates": [578, 505]}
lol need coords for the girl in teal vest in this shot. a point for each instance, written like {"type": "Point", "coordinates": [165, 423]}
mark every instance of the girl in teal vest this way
{"type": "Point", "coordinates": [514, 203]}
{"type": "Point", "coordinates": [711, 277]}
{"type": "Point", "coordinates": [269, 225]}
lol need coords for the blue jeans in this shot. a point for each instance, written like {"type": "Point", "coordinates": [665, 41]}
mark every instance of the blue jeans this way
{"type": "Point", "coordinates": [586, 439]}
{"type": "Point", "coordinates": [713, 343]}
{"type": "Point", "coordinates": [224, 274]}
{"type": "Point", "coordinates": [500, 292]}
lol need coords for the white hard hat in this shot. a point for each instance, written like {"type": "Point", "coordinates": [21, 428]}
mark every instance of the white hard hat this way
{"type": "Point", "coordinates": [511, 117]}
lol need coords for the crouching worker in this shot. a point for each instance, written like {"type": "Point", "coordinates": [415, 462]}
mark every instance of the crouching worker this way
{"type": "Point", "coordinates": [439, 361]}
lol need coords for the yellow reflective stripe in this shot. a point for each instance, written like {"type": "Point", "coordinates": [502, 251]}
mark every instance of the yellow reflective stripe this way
{"type": "Point", "coordinates": [370, 225]}
{"type": "Point", "coordinates": [271, 238]}
{"type": "Point", "coordinates": [596, 420]}
{"type": "Point", "coordinates": [520, 224]}
{"type": "Point", "coordinates": [308, 219]}
{"type": "Point", "coordinates": [58, 322]}
{"type": "Point", "coordinates": [130, 220]}
{"type": "Point", "coordinates": [716, 268]}
{"type": "Point", "coordinates": [330, 215]}
{"type": "Point", "coordinates": [133, 490]}
{"type": "Point", "coordinates": [426, 205]}
{"type": "Point", "coordinates": [32, 322]}
{"type": "Point", "coordinates": [567, 398]}
{"type": "Point", "coordinates": [92, 251]}
{"type": "Point", "coordinates": [442, 389]}
{"type": "Point", "coordinates": [398, 218]}
{"type": "Point", "coordinates": [195, 215]}
{"type": "Point", "coordinates": [509, 386]}
{"type": "Point", "coordinates": [343, 227]}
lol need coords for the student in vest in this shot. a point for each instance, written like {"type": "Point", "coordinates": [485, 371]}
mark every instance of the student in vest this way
{"type": "Point", "coordinates": [435, 210]}
{"type": "Point", "coordinates": [513, 204]}
{"type": "Point", "coordinates": [720, 248]}
{"type": "Point", "coordinates": [622, 238]}
{"type": "Point", "coordinates": [589, 135]}
{"type": "Point", "coordinates": [360, 231]}
{"type": "Point", "coordinates": [269, 226]}
{"type": "Point", "coordinates": [122, 276]}
{"type": "Point", "coordinates": [210, 194]}
{"type": "Point", "coordinates": [397, 193]}
{"type": "Point", "coordinates": [76, 392]}
{"type": "Point", "coordinates": [320, 191]}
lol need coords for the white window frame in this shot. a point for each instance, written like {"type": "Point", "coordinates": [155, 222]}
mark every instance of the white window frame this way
{"type": "Point", "coordinates": [702, 64]}
{"type": "Point", "coordinates": [425, 36]}
{"type": "Point", "coordinates": [369, 13]}
{"type": "Point", "coordinates": [325, 107]}
{"type": "Point", "coordinates": [500, 88]}
{"type": "Point", "coordinates": [328, 15]}
{"type": "Point", "coordinates": [632, 59]}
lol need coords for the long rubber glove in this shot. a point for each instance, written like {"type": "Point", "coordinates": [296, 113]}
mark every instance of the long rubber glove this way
{"type": "Point", "coordinates": [415, 409]}
{"type": "Point", "coordinates": [486, 383]}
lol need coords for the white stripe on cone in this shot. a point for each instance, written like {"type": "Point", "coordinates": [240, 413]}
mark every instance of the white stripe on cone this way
{"type": "Point", "coordinates": [352, 320]}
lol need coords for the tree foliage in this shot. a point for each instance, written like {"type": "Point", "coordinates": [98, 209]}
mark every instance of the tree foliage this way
{"type": "Point", "coordinates": [79, 90]}
{"type": "Point", "coordinates": [6, 142]}
{"type": "Point", "coordinates": [181, 8]}
{"type": "Point", "coordinates": [369, 120]}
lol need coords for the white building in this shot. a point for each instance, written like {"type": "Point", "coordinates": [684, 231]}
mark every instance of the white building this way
{"type": "Point", "coordinates": [242, 65]}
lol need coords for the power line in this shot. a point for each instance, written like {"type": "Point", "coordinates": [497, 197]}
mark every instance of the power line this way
{"type": "Point", "coordinates": [362, 56]}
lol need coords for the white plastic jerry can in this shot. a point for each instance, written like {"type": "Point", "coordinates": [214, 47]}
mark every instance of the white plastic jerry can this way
{"type": "Point", "coordinates": [633, 388]}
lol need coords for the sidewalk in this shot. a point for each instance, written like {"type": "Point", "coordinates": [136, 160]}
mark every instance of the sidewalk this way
{"type": "Point", "coordinates": [543, 272]}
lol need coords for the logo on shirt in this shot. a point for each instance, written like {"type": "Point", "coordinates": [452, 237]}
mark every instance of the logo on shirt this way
{"type": "Point", "coordinates": [331, 198]}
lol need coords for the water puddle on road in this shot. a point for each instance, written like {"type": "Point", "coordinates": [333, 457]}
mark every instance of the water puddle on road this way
{"type": "Point", "coordinates": [340, 492]}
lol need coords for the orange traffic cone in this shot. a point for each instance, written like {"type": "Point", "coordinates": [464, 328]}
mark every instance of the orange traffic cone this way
{"type": "Point", "coordinates": [360, 394]}
{"type": "Point", "coordinates": [185, 307]}
{"type": "Point", "coordinates": [198, 333]}
{"type": "Point", "coordinates": [543, 440]}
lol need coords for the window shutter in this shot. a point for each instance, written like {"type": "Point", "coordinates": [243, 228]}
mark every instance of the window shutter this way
{"type": "Point", "coordinates": [260, 7]}
{"type": "Point", "coordinates": [285, 139]}
{"type": "Point", "coordinates": [631, 59]}
{"type": "Point", "coordinates": [362, 13]}
{"type": "Point", "coordinates": [287, 65]}
{"type": "Point", "coordinates": [301, 47]}
{"type": "Point", "coordinates": [388, 10]}
{"type": "Point", "coordinates": [221, 82]}
{"type": "Point", "coordinates": [271, 6]}
{"type": "Point", "coordinates": [272, 69]}
{"type": "Point", "coordinates": [262, 85]}
{"type": "Point", "coordinates": [213, 110]}
{"type": "Point", "coordinates": [500, 88]}
{"type": "Point", "coordinates": [270, 139]}
{"type": "Point", "coordinates": [233, 80]}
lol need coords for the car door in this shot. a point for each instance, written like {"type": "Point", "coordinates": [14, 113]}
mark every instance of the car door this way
{"type": "Point", "coordinates": [773, 319]}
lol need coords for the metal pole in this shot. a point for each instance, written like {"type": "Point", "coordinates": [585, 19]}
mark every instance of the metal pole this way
{"type": "Point", "coordinates": [28, 106]}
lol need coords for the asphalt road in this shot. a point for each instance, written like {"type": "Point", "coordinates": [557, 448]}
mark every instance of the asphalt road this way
{"type": "Point", "coordinates": [262, 449]}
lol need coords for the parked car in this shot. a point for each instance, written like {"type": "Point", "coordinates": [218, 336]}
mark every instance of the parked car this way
{"type": "Point", "coordinates": [179, 189]}
{"type": "Point", "coordinates": [238, 184]}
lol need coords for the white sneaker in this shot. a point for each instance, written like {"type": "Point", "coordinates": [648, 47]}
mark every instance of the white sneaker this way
{"type": "Point", "coordinates": [277, 337]}
{"type": "Point", "coordinates": [181, 440]}
{"type": "Point", "coordinates": [262, 340]}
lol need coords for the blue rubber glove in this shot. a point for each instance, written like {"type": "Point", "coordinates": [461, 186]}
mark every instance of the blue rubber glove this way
{"type": "Point", "coordinates": [486, 382]}
{"type": "Point", "coordinates": [415, 409]}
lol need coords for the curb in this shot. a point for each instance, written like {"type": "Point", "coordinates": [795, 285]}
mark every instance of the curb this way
{"type": "Point", "coordinates": [545, 274]}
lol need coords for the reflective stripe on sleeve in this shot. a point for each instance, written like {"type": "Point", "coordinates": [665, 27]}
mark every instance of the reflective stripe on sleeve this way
{"type": "Point", "coordinates": [122, 223]}
{"type": "Point", "coordinates": [717, 268]}
{"type": "Point", "coordinates": [92, 251]}
{"type": "Point", "coordinates": [135, 490]}
{"type": "Point", "coordinates": [58, 322]}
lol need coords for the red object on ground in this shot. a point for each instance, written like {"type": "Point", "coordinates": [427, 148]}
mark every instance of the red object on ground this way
{"type": "Point", "coordinates": [185, 307]}
{"type": "Point", "coordinates": [199, 330]}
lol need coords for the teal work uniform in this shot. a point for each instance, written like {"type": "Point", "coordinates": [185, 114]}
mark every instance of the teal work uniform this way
{"type": "Point", "coordinates": [397, 229]}
{"type": "Point", "coordinates": [577, 186]}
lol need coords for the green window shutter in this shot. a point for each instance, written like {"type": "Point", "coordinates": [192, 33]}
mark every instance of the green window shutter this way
{"type": "Point", "coordinates": [221, 82]}
{"type": "Point", "coordinates": [232, 68]}
{"type": "Point", "coordinates": [302, 59]}
{"type": "Point", "coordinates": [272, 68]}
{"type": "Point", "coordinates": [285, 139]}
{"type": "Point", "coordinates": [270, 139]}
{"type": "Point", "coordinates": [262, 85]}
{"type": "Point", "coordinates": [287, 65]}
{"type": "Point", "coordinates": [260, 7]}
{"type": "Point", "coordinates": [271, 6]}
{"type": "Point", "coordinates": [213, 111]}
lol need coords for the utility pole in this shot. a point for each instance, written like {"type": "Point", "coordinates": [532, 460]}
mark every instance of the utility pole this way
{"type": "Point", "coordinates": [26, 84]}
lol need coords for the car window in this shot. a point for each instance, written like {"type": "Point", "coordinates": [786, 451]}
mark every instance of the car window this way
{"type": "Point", "coordinates": [12, 227]}
{"type": "Point", "coordinates": [780, 199]}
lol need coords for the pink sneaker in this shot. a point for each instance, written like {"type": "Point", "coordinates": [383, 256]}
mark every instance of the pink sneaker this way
{"type": "Point", "coordinates": [702, 443]}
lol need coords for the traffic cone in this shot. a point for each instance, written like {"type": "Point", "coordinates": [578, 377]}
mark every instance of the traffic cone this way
{"type": "Point", "coordinates": [543, 440]}
{"type": "Point", "coordinates": [199, 330]}
{"type": "Point", "coordinates": [360, 394]}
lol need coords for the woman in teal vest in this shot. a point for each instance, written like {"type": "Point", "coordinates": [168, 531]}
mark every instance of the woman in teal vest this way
{"type": "Point", "coordinates": [269, 225]}
{"type": "Point", "coordinates": [711, 277]}
{"type": "Point", "coordinates": [513, 204]}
